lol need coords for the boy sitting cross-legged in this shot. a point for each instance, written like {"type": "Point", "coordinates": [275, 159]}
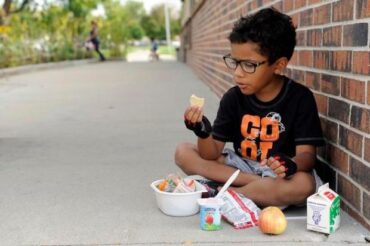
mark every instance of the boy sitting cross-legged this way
{"type": "Point", "coordinates": [271, 120]}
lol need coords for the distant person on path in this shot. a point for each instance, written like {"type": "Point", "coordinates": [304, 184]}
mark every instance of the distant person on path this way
{"type": "Point", "coordinates": [271, 120]}
{"type": "Point", "coordinates": [153, 49]}
{"type": "Point", "coordinates": [95, 40]}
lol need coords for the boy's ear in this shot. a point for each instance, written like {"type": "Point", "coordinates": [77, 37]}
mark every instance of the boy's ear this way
{"type": "Point", "coordinates": [280, 65]}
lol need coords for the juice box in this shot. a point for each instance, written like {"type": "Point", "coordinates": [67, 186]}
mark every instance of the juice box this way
{"type": "Point", "coordinates": [323, 210]}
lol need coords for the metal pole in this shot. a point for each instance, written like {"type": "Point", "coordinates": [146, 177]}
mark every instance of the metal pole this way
{"type": "Point", "coordinates": [168, 31]}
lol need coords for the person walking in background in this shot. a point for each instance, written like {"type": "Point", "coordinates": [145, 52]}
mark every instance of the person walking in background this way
{"type": "Point", "coordinates": [95, 40]}
{"type": "Point", "coordinates": [153, 49]}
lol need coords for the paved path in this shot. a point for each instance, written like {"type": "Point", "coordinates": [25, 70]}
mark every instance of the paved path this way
{"type": "Point", "coordinates": [144, 56]}
{"type": "Point", "coordinates": [79, 147]}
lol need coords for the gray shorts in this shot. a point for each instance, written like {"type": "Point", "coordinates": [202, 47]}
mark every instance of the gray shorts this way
{"type": "Point", "coordinates": [254, 167]}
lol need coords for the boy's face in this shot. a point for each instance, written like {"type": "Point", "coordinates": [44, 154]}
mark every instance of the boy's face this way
{"type": "Point", "coordinates": [259, 81]}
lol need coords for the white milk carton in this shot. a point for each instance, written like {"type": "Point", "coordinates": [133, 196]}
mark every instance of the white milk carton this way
{"type": "Point", "coordinates": [323, 210]}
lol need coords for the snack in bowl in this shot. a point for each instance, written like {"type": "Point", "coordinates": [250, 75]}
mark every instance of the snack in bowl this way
{"type": "Point", "coordinates": [179, 200]}
{"type": "Point", "coordinates": [196, 101]}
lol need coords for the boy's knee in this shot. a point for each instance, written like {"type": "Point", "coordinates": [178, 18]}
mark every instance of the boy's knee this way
{"type": "Point", "coordinates": [182, 152]}
{"type": "Point", "coordinates": [300, 187]}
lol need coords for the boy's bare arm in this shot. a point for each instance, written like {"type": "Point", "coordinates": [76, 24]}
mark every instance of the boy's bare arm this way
{"type": "Point", "coordinates": [305, 157]}
{"type": "Point", "coordinates": [209, 148]}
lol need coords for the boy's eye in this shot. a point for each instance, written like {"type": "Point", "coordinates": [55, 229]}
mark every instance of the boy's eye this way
{"type": "Point", "coordinates": [249, 65]}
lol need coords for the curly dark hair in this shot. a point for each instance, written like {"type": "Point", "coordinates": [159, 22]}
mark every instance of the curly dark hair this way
{"type": "Point", "coordinates": [272, 30]}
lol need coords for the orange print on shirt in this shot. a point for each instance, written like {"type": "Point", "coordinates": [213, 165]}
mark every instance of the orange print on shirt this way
{"type": "Point", "coordinates": [253, 128]}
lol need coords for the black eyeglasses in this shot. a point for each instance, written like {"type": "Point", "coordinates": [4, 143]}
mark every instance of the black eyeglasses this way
{"type": "Point", "coordinates": [247, 66]}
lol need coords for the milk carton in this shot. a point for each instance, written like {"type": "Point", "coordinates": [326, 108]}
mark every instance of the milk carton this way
{"type": "Point", "coordinates": [323, 210]}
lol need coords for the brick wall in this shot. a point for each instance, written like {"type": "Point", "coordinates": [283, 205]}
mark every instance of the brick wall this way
{"type": "Point", "coordinates": [331, 58]}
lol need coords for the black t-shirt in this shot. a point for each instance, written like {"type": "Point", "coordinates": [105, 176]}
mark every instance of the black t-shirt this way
{"type": "Point", "coordinates": [261, 129]}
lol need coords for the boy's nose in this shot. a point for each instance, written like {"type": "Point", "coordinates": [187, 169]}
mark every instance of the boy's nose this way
{"type": "Point", "coordinates": [238, 72]}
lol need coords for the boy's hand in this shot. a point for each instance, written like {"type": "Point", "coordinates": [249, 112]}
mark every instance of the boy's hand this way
{"type": "Point", "coordinates": [281, 164]}
{"type": "Point", "coordinates": [197, 122]}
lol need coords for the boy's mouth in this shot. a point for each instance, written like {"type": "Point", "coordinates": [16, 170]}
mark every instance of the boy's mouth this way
{"type": "Point", "coordinates": [243, 86]}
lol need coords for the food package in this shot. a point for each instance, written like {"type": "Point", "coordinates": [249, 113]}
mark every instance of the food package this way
{"type": "Point", "coordinates": [238, 210]}
{"type": "Point", "coordinates": [185, 185]}
{"type": "Point", "coordinates": [174, 183]}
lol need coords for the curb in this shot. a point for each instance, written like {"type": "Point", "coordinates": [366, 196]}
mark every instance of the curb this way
{"type": "Point", "coordinates": [4, 72]}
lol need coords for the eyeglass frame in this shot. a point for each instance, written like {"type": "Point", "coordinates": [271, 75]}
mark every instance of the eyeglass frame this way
{"type": "Point", "coordinates": [238, 62]}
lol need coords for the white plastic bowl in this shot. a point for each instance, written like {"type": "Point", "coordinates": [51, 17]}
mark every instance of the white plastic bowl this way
{"type": "Point", "coordinates": [178, 204]}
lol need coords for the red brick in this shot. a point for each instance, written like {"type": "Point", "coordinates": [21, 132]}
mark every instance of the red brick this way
{"type": "Point", "coordinates": [305, 58]}
{"type": "Point", "coordinates": [301, 38]}
{"type": "Point", "coordinates": [310, 2]}
{"type": "Point", "coordinates": [249, 7]}
{"type": "Point", "coordinates": [355, 214]}
{"type": "Point", "coordinates": [342, 10]}
{"type": "Point", "coordinates": [359, 172]}
{"type": "Point", "coordinates": [278, 6]}
{"type": "Point", "coordinates": [367, 149]}
{"type": "Point", "coordinates": [361, 61]}
{"type": "Point", "coordinates": [254, 4]}
{"type": "Point", "coordinates": [322, 151]}
{"type": "Point", "coordinates": [322, 14]}
{"type": "Point", "coordinates": [321, 59]}
{"type": "Point", "coordinates": [295, 19]}
{"type": "Point", "coordinates": [330, 84]}
{"type": "Point", "coordinates": [337, 158]}
{"type": "Point", "coordinates": [298, 76]}
{"type": "Point", "coordinates": [353, 90]}
{"type": "Point", "coordinates": [366, 205]}
{"type": "Point", "coordinates": [332, 36]}
{"type": "Point", "coordinates": [330, 130]}
{"type": "Point", "coordinates": [339, 110]}
{"type": "Point", "coordinates": [299, 3]}
{"type": "Point", "coordinates": [350, 140]}
{"type": "Point", "coordinates": [363, 9]}
{"type": "Point", "coordinates": [306, 18]}
{"type": "Point", "coordinates": [368, 92]}
{"type": "Point", "coordinates": [288, 6]}
{"type": "Point", "coordinates": [341, 61]}
{"type": "Point", "coordinates": [360, 118]}
{"type": "Point", "coordinates": [349, 191]}
{"type": "Point", "coordinates": [313, 80]}
{"type": "Point", "coordinates": [355, 34]}
{"type": "Point", "coordinates": [294, 59]}
{"type": "Point", "coordinates": [322, 104]}
{"type": "Point", "coordinates": [314, 37]}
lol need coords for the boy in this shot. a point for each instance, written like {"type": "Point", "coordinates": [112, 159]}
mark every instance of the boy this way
{"type": "Point", "coordinates": [95, 40]}
{"type": "Point", "coordinates": [270, 119]}
{"type": "Point", "coordinates": [153, 49]}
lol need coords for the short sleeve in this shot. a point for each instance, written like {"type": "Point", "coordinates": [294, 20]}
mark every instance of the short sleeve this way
{"type": "Point", "coordinates": [307, 128]}
{"type": "Point", "coordinates": [223, 125]}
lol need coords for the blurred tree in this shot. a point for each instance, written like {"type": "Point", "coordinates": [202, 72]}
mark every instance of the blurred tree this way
{"type": "Point", "coordinates": [154, 23]}
{"type": "Point", "coordinates": [11, 7]}
{"type": "Point", "coordinates": [122, 24]}
{"type": "Point", "coordinates": [150, 26]}
{"type": "Point", "coordinates": [57, 29]}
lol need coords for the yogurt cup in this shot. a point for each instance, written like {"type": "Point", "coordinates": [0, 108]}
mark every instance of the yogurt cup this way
{"type": "Point", "coordinates": [210, 216]}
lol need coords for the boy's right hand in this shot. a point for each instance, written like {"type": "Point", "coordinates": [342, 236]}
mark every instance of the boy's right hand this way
{"type": "Point", "coordinates": [281, 164]}
{"type": "Point", "coordinates": [197, 122]}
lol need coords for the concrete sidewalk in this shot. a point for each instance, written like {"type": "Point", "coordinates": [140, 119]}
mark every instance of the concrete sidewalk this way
{"type": "Point", "coordinates": [79, 147]}
{"type": "Point", "coordinates": [144, 56]}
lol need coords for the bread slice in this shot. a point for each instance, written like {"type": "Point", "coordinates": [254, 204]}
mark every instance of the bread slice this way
{"type": "Point", "coordinates": [196, 101]}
